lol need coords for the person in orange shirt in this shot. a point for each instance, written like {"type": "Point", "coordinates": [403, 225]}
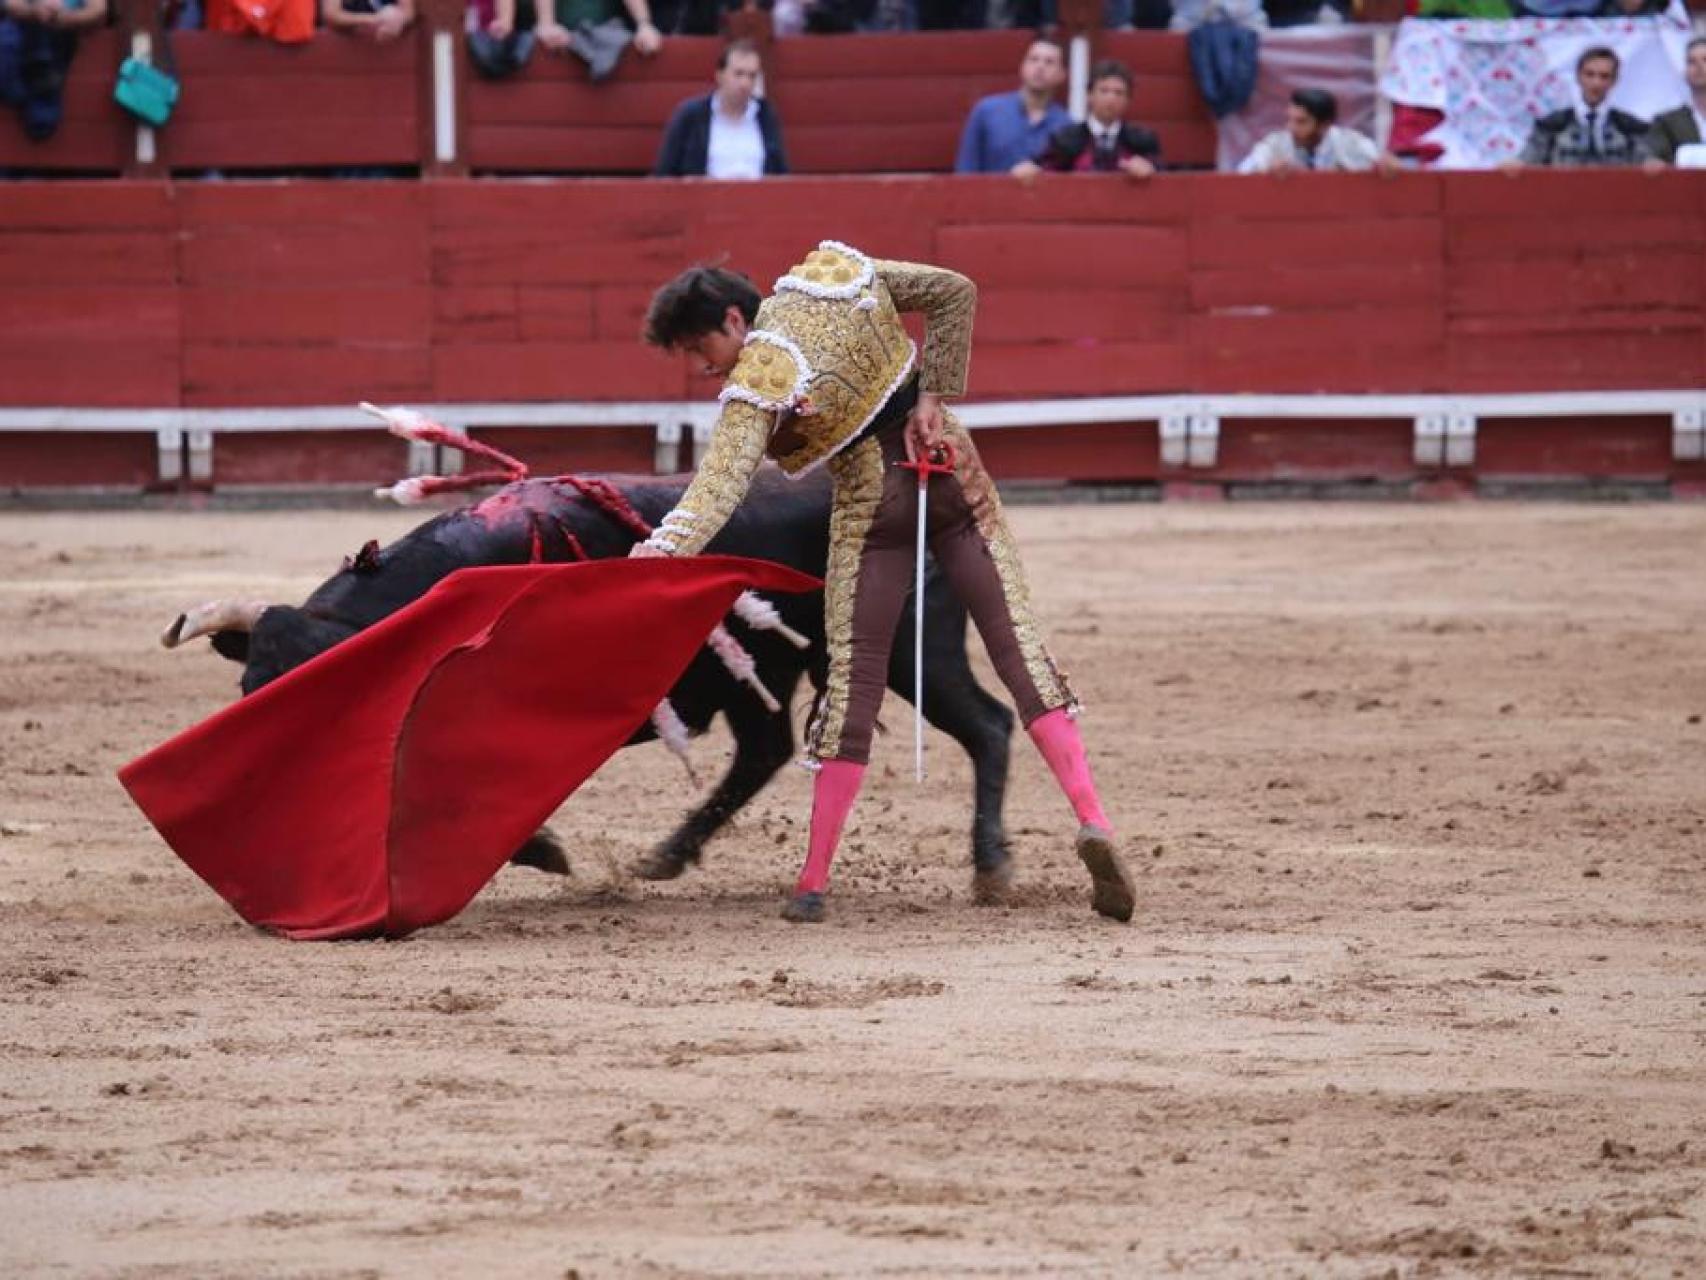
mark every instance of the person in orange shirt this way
{"type": "Point", "coordinates": [286, 21]}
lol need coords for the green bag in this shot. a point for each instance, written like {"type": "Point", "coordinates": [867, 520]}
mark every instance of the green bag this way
{"type": "Point", "coordinates": [147, 91]}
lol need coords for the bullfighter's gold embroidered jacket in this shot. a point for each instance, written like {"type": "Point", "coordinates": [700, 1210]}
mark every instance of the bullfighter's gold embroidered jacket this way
{"type": "Point", "coordinates": [825, 352]}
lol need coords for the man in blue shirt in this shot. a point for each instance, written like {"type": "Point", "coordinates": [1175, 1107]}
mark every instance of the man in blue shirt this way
{"type": "Point", "coordinates": [1007, 128]}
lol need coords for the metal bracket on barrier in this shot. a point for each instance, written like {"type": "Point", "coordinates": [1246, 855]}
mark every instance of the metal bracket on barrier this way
{"type": "Point", "coordinates": [169, 448]}
{"type": "Point", "coordinates": [200, 441]}
{"type": "Point", "coordinates": [1688, 435]}
{"type": "Point", "coordinates": [1430, 440]}
{"type": "Point", "coordinates": [1175, 439]}
{"type": "Point", "coordinates": [423, 458]}
{"type": "Point", "coordinates": [1202, 441]}
{"type": "Point", "coordinates": [1445, 439]}
{"type": "Point", "coordinates": [1459, 439]}
{"type": "Point", "coordinates": [666, 448]}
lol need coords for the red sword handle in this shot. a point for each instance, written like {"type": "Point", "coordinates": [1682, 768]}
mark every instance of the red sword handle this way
{"type": "Point", "coordinates": [941, 460]}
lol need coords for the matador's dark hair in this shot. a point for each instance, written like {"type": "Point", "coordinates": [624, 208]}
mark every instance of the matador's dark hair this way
{"type": "Point", "coordinates": [694, 304]}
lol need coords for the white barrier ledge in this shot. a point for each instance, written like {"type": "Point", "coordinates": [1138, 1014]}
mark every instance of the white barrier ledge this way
{"type": "Point", "coordinates": [1445, 425]}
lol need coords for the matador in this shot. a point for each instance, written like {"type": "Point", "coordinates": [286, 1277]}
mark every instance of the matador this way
{"type": "Point", "coordinates": [823, 373]}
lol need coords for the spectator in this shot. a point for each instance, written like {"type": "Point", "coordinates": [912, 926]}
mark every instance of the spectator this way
{"type": "Point", "coordinates": [595, 32]}
{"type": "Point", "coordinates": [1311, 141]}
{"type": "Point", "coordinates": [1103, 143]}
{"type": "Point", "coordinates": [1591, 133]}
{"type": "Point", "coordinates": [1006, 128]}
{"type": "Point", "coordinates": [286, 21]}
{"type": "Point", "coordinates": [730, 132]}
{"type": "Point", "coordinates": [495, 47]}
{"type": "Point", "coordinates": [381, 21]}
{"type": "Point", "coordinates": [1686, 124]}
{"type": "Point", "coordinates": [37, 41]}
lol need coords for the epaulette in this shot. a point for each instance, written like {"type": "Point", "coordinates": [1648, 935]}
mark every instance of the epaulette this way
{"type": "Point", "coordinates": [771, 373]}
{"type": "Point", "coordinates": [832, 270]}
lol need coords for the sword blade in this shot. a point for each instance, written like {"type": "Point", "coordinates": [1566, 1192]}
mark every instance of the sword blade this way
{"type": "Point", "coordinates": [918, 635]}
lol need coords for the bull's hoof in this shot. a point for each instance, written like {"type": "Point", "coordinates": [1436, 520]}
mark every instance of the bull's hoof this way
{"type": "Point", "coordinates": [661, 864]}
{"type": "Point", "coordinates": [542, 852]}
{"type": "Point", "coordinates": [991, 886]}
{"type": "Point", "coordinates": [804, 908]}
{"type": "Point", "coordinates": [1111, 891]}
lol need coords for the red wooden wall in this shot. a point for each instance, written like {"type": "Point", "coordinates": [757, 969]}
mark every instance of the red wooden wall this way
{"type": "Point", "coordinates": [255, 105]}
{"type": "Point", "coordinates": [874, 104]}
{"type": "Point", "coordinates": [234, 293]}
{"type": "Point", "coordinates": [239, 293]}
{"type": "Point", "coordinates": [871, 104]}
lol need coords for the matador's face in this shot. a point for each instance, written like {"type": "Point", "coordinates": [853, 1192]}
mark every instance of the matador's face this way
{"type": "Point", "coordinates": [715, 352]}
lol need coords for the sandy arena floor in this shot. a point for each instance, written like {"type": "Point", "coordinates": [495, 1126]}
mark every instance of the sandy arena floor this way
{"type": "Point", "coordinates": [1417, 796]}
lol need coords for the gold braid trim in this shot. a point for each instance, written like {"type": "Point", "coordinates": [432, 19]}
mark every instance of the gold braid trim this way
{"type": "Point", "coordinates": [1051, 682]}
{"type": "Point", "coordinates": [949, 303]}
{"type": "Point", "coordinates": [858, 493]}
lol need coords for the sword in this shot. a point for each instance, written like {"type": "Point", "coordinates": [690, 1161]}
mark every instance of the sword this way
{"type": "Point", "coordinates": [940, 461]}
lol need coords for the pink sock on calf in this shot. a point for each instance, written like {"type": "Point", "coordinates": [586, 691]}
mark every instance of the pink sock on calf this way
{"type": "Point", "coordinates": [1056, 736]}
{"type": "Point", "coordinates": [832, 800]}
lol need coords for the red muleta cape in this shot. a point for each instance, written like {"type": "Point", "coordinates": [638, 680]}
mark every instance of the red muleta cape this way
{"type": "Point", "coordinates": [375, 789]}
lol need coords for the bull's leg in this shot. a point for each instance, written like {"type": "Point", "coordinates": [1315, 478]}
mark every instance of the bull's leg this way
{"type": "Point", "coordinates": [764, 742]}
{"type": "Point", "coordinates": [960, 707]}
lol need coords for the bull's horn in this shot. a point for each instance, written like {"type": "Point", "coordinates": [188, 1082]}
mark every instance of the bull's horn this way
{"type": "Point", "coordinates": [216, 615]}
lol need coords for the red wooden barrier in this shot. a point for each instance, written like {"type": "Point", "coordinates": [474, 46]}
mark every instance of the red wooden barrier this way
{"type": "Point", "coordinates": [337, 101]}
{"type": "Point", "coordinates": [553, 119]}
{"type": "Point", "coordinates": [214, 294]}
{"type": "Point", "coordinates": [874, 104]}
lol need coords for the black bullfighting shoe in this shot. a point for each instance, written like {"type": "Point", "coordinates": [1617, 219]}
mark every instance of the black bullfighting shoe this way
{"type": "Point", "coordinates": [1111, 891]}
{"type": "Point", "coordinates": [804, 908]}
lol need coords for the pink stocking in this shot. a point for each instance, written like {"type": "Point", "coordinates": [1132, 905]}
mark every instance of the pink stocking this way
{"type": "Point", "coordinates": [1056, 736]}
{"type": "Point", "coordinates": [832, 799]}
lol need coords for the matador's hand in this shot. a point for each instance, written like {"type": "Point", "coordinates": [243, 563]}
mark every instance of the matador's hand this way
{"type": "Point", "coordinates": [924, 427]}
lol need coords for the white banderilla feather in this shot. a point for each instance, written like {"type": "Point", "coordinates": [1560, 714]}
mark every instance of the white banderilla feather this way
{"type": "Point", "coordinates": [741, 666]}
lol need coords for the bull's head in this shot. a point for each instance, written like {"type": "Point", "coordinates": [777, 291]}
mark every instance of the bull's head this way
{"type": "Point", "coordinates": [268, 640]}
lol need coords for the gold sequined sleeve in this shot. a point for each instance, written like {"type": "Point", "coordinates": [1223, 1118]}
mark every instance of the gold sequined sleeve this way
{"type": "Point", "coordinates": [737, 447]}
{"type": "Point", "coordinates": [949, 303]}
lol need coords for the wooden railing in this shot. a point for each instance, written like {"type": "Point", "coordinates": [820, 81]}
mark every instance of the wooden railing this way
{"type": "Point", "coordinates": [861, 105]}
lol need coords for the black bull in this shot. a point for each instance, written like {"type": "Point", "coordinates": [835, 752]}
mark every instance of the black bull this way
{"type": "Point", "coordinates": [781, 520]}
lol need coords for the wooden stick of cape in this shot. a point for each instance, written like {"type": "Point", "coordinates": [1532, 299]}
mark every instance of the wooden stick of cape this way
{"type": "Point", "coordinates": [377, 788]}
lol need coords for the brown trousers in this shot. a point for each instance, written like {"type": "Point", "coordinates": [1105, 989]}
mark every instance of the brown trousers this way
{"type": "Point", "coordinates": [872, 544]}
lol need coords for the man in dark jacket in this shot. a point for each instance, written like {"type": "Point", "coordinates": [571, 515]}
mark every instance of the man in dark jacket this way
{"type": "Point", "coordinates": [1686, 124]}
{"type": "Point", "coordinates": [1103, 142]}
{"type": "Point", "coordinates": [1593, 133]}
{"type": "Point", "coordinates": [730, 132]}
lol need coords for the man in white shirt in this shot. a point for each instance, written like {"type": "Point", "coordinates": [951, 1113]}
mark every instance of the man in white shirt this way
{"type": "Point", "coordinates": [730, 132]}
{"type": "Point", "coordinates": [1311, 142]}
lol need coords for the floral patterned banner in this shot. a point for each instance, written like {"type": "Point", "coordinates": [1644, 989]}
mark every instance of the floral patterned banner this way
{"type": "Point", "coordinates": [1493, 78]}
